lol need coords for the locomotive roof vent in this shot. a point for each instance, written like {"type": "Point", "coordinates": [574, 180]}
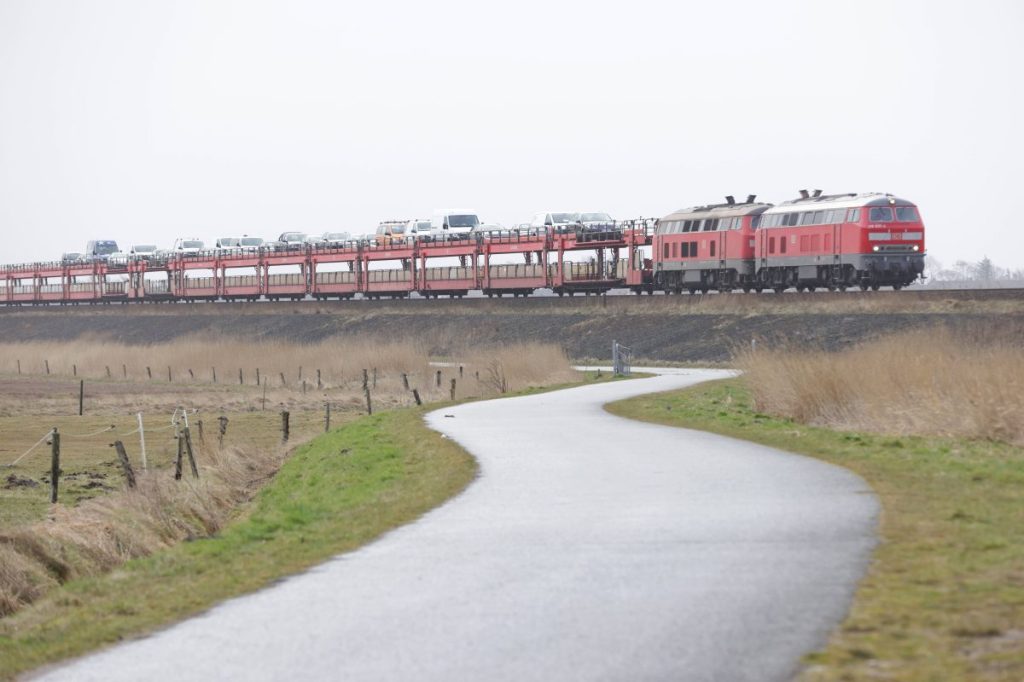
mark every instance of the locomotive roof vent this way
{"type": "Point", "coordinates": [817, 193]}
{"type": "Point", "coordinates": [750, 198]}
{"type": "Point", "coordinates": [730, 199]}
{"type": "Point", "coordinates": [804, 194]}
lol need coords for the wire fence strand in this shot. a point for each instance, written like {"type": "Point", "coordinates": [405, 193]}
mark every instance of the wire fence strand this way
{"type": "Point", "coordinates": [38, 443]}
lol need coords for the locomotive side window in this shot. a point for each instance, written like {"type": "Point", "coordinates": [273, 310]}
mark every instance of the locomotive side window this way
{"type": "Point", "coordinates": [782, 245]}
{"type": "Point", "coordinates": [853, 216]}
{"type": "Point", "coordinates": [771, 245]}
{"type": "Point", "coordinates": [674, 249]}
{"type": "Point", "coordinates": [712, 249]}
{"type": "Point", "coordinates": [906, 214]}
{"type": "Point", "coordinates": [666, 251]}
{"type": "Point", "coordinates": [755, 223]}
{"type": "Point", "coordinates": [819, 218]}
{"type": "Point", "coordinates": [880, 214]}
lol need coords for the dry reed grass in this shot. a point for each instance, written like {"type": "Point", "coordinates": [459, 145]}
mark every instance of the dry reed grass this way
{"type": "Point", "coordinates": [282, 368]}
{"type": "Point", "coordinates": [934, 382]}
{"type": "Point", "coordinates": [101, 534]}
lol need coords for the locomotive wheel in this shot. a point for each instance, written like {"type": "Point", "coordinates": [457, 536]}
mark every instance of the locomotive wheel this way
{"type": "Point", "coordinates": [810, 289]}
{"type": "Point", "coordinates": [863, 286]}
{"type": "Point", "coordinates": [842, 288]}
{"type": "Point", "coordinates": [800, 288]}
{"type": "Point", "coordinates": [875, 287]}
{"type": "Point", "coordinates": [779, 290]}
{"type": "Point", "coordinates": [746, 288]}
{"type": "Point", "coordinates": [692, 291]}
{"type": "Point", "coordinates": [897, 287]}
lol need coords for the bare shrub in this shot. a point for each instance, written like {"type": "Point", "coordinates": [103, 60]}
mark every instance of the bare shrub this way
{"type": "Point", "coordinates": [920, 382]}
{"type": "Point", "coordinates": [517, 366]}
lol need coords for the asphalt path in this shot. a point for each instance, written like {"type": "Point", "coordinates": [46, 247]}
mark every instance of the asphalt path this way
{"type": "Point", "coordinates": [590, 548]}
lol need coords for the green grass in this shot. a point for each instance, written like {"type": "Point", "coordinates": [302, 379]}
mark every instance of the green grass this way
{"type": "Point", "coordinates": [333, 494]}
{"type": "Point", "coordinates": [944, 597]}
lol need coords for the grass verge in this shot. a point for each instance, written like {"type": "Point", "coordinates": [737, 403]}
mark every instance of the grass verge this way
{"type": "Point", "coordinates": [944, 597]}
{"type": "Point", "coordinates": [332, 495]}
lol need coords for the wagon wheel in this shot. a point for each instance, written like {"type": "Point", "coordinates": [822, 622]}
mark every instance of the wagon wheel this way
{"type": "Point", "coordinates": [779, 290]}
{"type": "Point", "coordinates": [875, 287]}
{"type": "Point", "coordinates": [863, 286]}
{"type": "Point", "coordinates": [897, 287]}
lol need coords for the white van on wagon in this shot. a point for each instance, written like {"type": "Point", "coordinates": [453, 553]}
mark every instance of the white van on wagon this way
{"type": "Point", "coordinates": [453, 223]}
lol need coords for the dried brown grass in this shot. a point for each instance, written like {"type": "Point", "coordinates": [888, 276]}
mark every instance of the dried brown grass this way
{"type": "Point", "coordinates": [934, 382]}
{"type": "Point", "coordinates": [101, 534]}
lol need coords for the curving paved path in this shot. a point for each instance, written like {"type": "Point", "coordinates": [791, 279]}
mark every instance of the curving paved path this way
{"type": "Point", "coordinates": [590, 548]}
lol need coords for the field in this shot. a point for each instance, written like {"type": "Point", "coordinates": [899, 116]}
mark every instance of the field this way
{"type": "Point", "coordinates": [99, 524]}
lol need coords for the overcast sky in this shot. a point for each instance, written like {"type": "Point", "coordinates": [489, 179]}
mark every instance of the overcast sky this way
{"type": "Point", "coordinates": [145, 121]}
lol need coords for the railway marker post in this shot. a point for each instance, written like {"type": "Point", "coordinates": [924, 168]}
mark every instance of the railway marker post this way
{"type": "Point", "coordinates": [126, 465]}
{"type": "Point", "coordinates": [54, 464]}
{"type": "Point", "coordinates": [142, 441]}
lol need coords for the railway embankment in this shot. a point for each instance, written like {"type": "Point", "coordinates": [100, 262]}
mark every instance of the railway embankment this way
{"type": "Point", "coordinates": [659, 328]}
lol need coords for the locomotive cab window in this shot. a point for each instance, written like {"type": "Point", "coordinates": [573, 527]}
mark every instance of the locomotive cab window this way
{"type": "Point", "coordinates": [880, 214]}
{"type": "Point", "coordinates": [906, 214]}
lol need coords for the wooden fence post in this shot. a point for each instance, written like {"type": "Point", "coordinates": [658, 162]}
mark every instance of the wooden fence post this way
{"type": "Point", "coordinates": [416, 396]}
{"type": "Point", "coordinates": [214, 369]}
{"type": "Point", "coordinates": [438, 382]}
{"type": "Point", "coordinates": [282, 379]}
{"type": "Point", "coordinates": [303, 387]}
{"type": "Point", "coordinates": [19, 367]}
{"type": "Point", "coordinates": [47, 367]}
{"type": "Point", "coordinates": [108, 371]}
{"type": "Point", "coordinates": [327, 417]}
{"type": "Point", "coordinates": [81, 396]}
{"type": "Point", "coordinates": [300, 372]}
{"type": "Point", "coordinates": [124, 371]}
{"type": "Point", "coordinates": [74, 370]}
{"type": "Point", "coordinates": [240, 377]}
{"type": "Point", "coordinates": [169, 379]}
{"type": "Point", "coordinates": [54, 464]}
{"type": "Point", "coordinates": [149, 372]}
{"type": "Point", "coordinates": [375, 377]}
{"type": "Point", "coordinates": [264, 405]}
{"type": "Point", "coordinates": [369, 405]}
{"type": "Point", "coordinates": [126, 465]}
{"type": "Point", "coordinates": [191, 375]}
{"type": "Point", "coordinates": [181, 453]}
{"type": "Point", "coordinates": [222, 429]}
{"type": "Point", "coordinates": [284, 426]}
{"type": "Point", "coordinates": [453, 389]}
{"type": "Point", "coordinates": [202, 438]}
{"type": "Point", "coordinates": [257, 376]}
{"type": "Point", "coordinates": [460, 371]}
{"type": "Point", "coordinates": [366, 379]}
{"type": "Point", "coordinates": [319, 385]}
{"type": "Point", "coordinates": [405, 381]}
{"type": "Point", "coordinates": [191, 453]}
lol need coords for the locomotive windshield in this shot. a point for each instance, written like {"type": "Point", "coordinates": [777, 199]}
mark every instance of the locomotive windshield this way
{"type": "Point", "coordinates": [906, 214]}
{"type": "Point", "coordinates": [879, 214]}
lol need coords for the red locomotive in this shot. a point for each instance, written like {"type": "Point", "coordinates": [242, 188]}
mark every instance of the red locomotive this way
{"type": "Point", "coordinates": [833, 241]}
{"type": "Point", "coordinates": [707, 247]}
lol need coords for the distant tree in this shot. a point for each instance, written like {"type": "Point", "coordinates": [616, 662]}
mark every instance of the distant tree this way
{"type": "Point", "coordinates": [963, 269]}
{"type": "Point", "coordinates": [984, 270]}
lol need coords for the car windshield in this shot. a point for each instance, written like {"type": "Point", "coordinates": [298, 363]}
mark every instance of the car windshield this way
{"type": "Point", "coordinates": [228, 241]}
{"type": "Point", "coordinates": [906, 214]}
{"type": "Point", "coordinates": [565, 217]}
{"type": "Point", "coordinates": [105, 248]}
{"type": "Point", "coordinates": [191, 244]}
{"type": "Point", "coordinates": [880, 215]}
{"type": "Point", "coordinates": [144, 248]}
{"type": "Point", "coordinates": [250, 241]}
{"type": "Point", "coordinates": [423, 226]}
{"type": "Point", "coordinates": [463, 221]}
{"type": "Point", "coordinates": [336, 236]}
{"type": "Point", "coordinates": [596, 218]}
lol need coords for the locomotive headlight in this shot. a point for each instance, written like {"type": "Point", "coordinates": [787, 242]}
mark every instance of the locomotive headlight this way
{"type": "Point", "coordinates": [916, 247]}
{"type": "Point", "coordinates": [874, 248]}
